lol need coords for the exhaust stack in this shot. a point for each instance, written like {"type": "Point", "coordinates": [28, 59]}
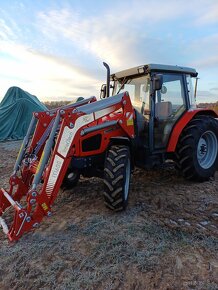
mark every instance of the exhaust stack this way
{"type": "Point", "coordinates": [108, 79]}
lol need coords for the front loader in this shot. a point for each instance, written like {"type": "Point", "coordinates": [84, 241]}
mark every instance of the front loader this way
{"type": "Point", "coordinates": [151, 117]}
{"type": "Point", "coordinates": [42, 162]}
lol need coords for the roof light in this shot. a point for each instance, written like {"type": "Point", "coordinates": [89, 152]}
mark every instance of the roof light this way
{"type": "Point", "coordinates": [141, 70]}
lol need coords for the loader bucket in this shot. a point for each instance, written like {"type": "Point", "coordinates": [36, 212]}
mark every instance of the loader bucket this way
{"type": "Point", "coordinates": [6, 201]}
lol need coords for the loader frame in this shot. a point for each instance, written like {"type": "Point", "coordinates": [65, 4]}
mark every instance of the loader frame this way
{"type": "Point", "coordinates": [41, 165]}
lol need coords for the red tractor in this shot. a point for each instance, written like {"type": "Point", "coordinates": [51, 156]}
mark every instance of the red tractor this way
{"type": "Point", "coordinates": [150, 117]}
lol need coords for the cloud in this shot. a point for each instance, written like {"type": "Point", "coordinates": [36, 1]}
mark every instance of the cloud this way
{"type": "Point", "coordinates": [207, 96]}
{"type": "Point", "coordinates": [207, 62]}
{"type": "Point", "coordinates": [92, 35]}
{"type": "Point", "coordinates": [58, 51]}
{"type": "Point", "coordinates": [43, 75]}
{"type": "Point", "coordinates": [129, 34]}
{"type": "Point", "coordinates": [5, 31]}
{"type": "Point", "coordinates": [116, 35]}
{"type": "Point", "coordinates": [205, 51]}
{"type": "Point", "coordinates": [208, 12]}
{"type": "Point", "coordinates": [9, 30]}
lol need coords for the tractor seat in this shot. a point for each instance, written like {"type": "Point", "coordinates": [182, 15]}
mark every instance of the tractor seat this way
{"type": "Point", "coordinates": [163, 110]}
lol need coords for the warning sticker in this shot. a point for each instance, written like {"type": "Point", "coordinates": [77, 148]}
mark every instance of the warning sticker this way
{"type": "Point", "coordinates": [130, 122]}
{"type": "Point", "coordinates": [44, 206]}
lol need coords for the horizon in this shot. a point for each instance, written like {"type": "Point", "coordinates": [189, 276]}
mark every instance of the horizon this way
{"type": "Point", "coordinates": [55, 50]}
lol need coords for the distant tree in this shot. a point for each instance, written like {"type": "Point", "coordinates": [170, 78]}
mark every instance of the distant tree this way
{"type": "Point", "coordinates": [213, 106]}
{"type": "Point", "coordinates": [56, 104]}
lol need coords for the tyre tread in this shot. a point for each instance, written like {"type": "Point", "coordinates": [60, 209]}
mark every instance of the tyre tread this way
{"type": "Point", "coordinates": [114, 173]}
{"type": "Point", "coordinates": [186, 147]}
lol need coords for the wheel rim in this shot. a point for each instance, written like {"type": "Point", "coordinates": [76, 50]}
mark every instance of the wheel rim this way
{"type": "Point", "coordinates": [126, 189]}
{"type": "Point", "coordinates": [71, 176]}
{"type": "Point", "coordinates": [207, 149]}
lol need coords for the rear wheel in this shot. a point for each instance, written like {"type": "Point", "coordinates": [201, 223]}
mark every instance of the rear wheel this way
{"type": "Point", "coordinates": [197, 149]}
{"type": "Point", "coordinates": [117, 173]}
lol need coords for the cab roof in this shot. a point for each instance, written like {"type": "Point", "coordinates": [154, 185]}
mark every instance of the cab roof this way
{"type": "Point", "coordinates": [143, 69]}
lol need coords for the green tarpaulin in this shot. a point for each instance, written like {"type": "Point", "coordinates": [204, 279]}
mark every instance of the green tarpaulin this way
{"type": "Point", "coordinates": [16, 111]}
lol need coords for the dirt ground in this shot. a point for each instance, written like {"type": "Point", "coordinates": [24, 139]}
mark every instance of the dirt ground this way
{"type": "Point", "coordinates": [166, 239]}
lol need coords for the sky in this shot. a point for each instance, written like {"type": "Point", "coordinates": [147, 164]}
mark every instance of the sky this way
{"type": "Point", "coordinates": [55, 49]}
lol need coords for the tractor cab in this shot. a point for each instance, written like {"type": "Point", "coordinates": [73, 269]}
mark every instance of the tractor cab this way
{"type": "Point", "coordinates": [157, 107]}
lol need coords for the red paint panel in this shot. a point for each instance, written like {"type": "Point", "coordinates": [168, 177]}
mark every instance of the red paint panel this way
{"type": "Point", "coordinates": [186, 118]}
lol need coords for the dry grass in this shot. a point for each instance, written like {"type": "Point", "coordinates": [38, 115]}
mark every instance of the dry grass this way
{"type": "Point", "coordinates": [85, 246]}
{"type": "Point", "coordinates": [95, 254]}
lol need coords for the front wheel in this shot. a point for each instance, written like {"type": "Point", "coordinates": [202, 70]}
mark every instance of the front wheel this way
{"type": "Point", "coordinates": [197, 149]}
{"type": "Point", "coordinates": [71, 178]}
{"type": "Point", "coordinates": [117, 173]}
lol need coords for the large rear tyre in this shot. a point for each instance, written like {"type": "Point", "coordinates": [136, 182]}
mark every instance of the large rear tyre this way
{"type": "Point", "coordinates": [117, 173]}
{"type": "Point", "coordinates": [197, 149]}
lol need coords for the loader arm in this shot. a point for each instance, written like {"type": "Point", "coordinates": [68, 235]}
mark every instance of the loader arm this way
{"type": "Point", "coordinates": [41, 165]}
{"type": "Point", "coordinates": [32, 148]}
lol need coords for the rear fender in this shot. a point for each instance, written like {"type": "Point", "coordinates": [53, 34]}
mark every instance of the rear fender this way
{"type": "Point", "coordinates": [180, 125]}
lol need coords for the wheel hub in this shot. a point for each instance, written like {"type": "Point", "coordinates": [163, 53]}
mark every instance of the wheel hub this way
{"type": "Point", "coordinates": [207, 149]}
{"type": "Point", "coordinates": [71, 175]}
{"type": "Point", "coordinates": [202, 147]}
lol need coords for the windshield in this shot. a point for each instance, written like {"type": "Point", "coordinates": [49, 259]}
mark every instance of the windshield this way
{"type": "Point", "coordinates": [191, 90]}
{"type": "Point", "coordinates": [138, 89]}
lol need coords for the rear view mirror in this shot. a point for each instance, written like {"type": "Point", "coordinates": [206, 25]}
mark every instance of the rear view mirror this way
{"type": "Point", "coordinates": [103, 91]}
{"type": "Point", "coordinates": [157, 82]}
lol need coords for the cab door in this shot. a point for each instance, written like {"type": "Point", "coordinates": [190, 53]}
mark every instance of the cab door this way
{"type": "Point", "coordinates": [170, 104]}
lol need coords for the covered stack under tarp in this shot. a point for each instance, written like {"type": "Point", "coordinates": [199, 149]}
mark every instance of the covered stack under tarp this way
{"type": "Point", "coordinates": [16, 111]}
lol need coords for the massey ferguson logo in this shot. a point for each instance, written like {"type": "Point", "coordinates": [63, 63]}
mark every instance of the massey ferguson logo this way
{"type": "Point", "coordinates": [68, 141]}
